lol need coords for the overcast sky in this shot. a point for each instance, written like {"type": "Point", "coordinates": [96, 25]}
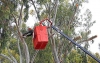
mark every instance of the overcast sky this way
{"type": "Point", "coordinates": [94, 6]}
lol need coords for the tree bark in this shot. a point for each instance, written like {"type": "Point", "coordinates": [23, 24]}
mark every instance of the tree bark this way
{"type": "Point", "coordinates": [6, 57]}
{"type": "Point", "coordinates": [25, 47]}
{"type": "Point", "coordinates": [34, 56]}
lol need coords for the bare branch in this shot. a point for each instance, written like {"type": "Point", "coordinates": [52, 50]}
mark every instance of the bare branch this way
{"type": "Point", "coordinates": [77, 38]}
{"type": "Point", "coordinates": [6, 57]}
{"type": "Point", "coordinates": [15, 61]}
{"type": "Point", "coordinates": [34, 56]}
{"type": "Point", "coordinates": [20, 16]}
{"type": "Point", "coordinates": [55, 12]}
{"type": "Point", "coordinates": [19, 51]}
{"type": "Point", "coordinates": [35, 10]}
{"type": "Point", "coordinates": [91, 38]}
{"type": "Point", "coordinates": [52, 40]}
{"type": "Point", "coordinates": [54, 50]}
{"type": "Point", "coordinates": [23, 42]}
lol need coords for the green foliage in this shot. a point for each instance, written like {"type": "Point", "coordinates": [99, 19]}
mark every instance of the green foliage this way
{"type": "Point", "coordinates": [45, 56]}
{"type": "Point", "coordinates": [42, 2]}
{"type": "Point", "coordinates": [7, 7]}
{"type": "Point", "coordinates": [26, 10]}
{"type": "Point", "coordinates": [91, 60]}
{"type": "Point", "coordinates": [74, 57]}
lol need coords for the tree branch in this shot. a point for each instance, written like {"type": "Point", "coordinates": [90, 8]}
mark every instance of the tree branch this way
{"type": "Point", "coordinates": [20, 16]}
{"type": "Point", "coordinates": [34, 56]}
{"type": "Point", "coordinates": [38, 17]}
{"type": "Point", "coordinates": [23, 42]}
{"type": "Point", "coordinates": [19, 52]}
{"type": "Point", "coordinates": [91, 38]}
{"type": "Point", "coordinates": [52, 40]}
{"type": "Point", "coordinates": [55, 12]}
{"type": "Point", "coordinates": [6, 57]}
{"type": "Point", "coordinates": [15, 61]}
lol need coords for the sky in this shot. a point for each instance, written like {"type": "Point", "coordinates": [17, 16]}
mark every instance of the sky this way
{"type": "Point", "coordinates": [94, 7]}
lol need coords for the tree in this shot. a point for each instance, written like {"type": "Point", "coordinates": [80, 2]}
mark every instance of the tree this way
{"type": "Point", "coordinates": [63, 14]}
{"type": "Point", "coordinates": [8, 10]}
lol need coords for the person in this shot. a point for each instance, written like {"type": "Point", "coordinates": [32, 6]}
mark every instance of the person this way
{"type": "Point", "coordinates": [29, 33]}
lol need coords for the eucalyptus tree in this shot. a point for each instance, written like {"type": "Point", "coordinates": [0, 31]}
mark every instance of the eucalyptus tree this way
{"type": "Point", "coordinates": [63, 14]}
{"type": "Point", "coordinates": [10, 15]}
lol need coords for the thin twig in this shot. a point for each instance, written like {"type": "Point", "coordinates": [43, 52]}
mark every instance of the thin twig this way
{"type": "Point", "coordinates": [23, 42]}
{"type": "Point", "coordinates": [20, 16]}
{"type": "Point", "coordinates": [5, 56]}
{"type": "Point", "coordinates": [55, 12]}
{"type": "Point", "coordinates": [15, 61]}
{"type": "Point", "coordinates": [34, 56]}
{"type": "Point", "coordinates": [55, 53]}
{"type": "Point", "coordinates": [35, 10]}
